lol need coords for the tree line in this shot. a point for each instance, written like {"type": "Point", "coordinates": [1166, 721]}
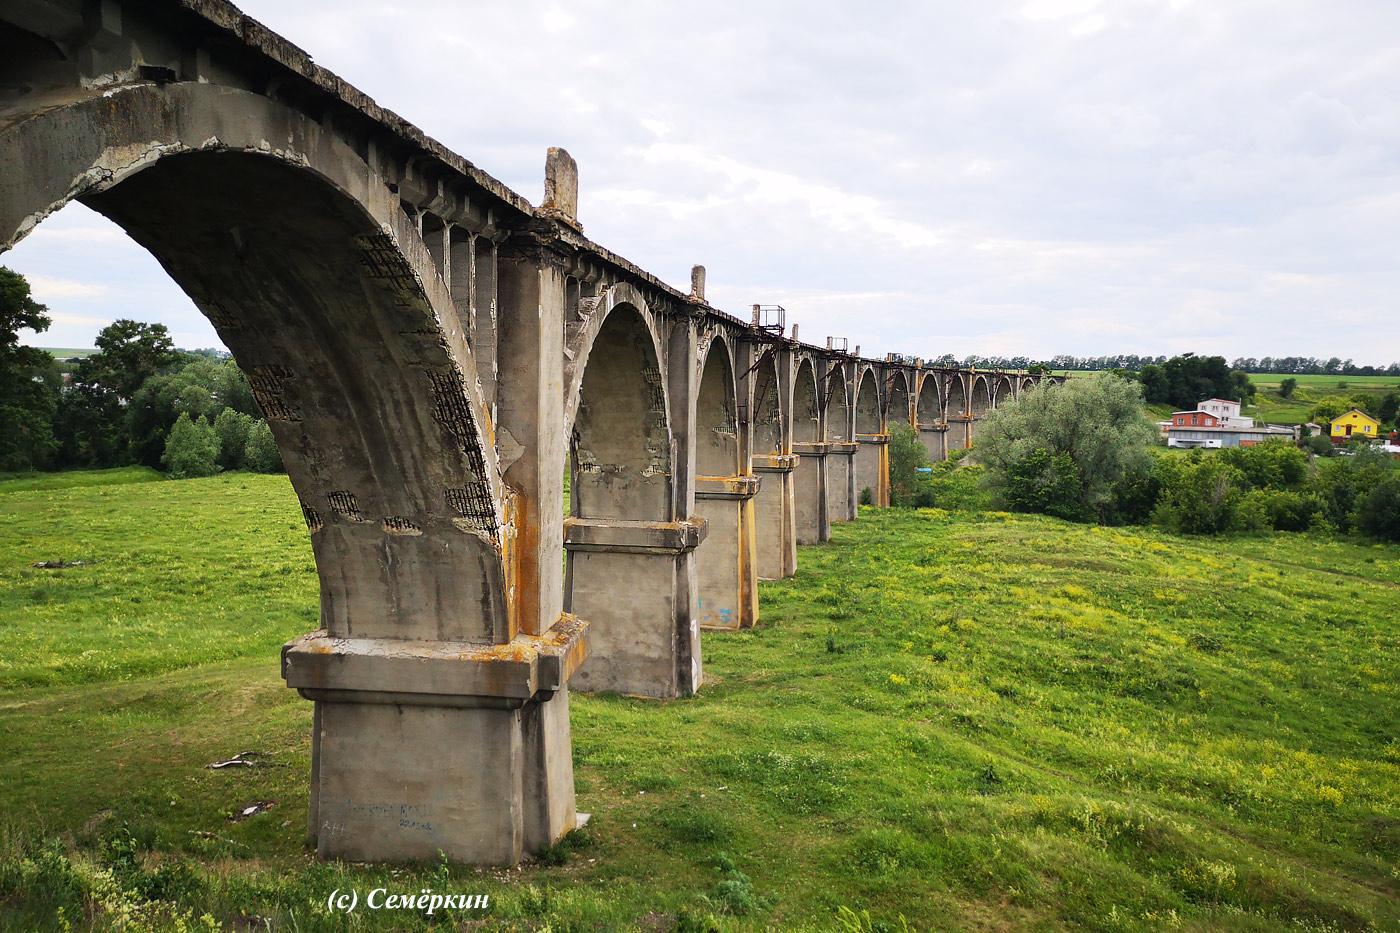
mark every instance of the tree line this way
{"type": "Point", "coordinates": [136, 401]}
{"type": "Point", "coordinates": [1132, 362]}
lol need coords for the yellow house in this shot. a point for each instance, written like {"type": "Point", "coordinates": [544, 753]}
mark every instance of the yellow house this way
{"type": "Point", "coordinates": [1355, 423]}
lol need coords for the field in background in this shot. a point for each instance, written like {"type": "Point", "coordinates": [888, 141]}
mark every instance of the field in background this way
{"type": "Point", "coordinates": [1272, 406]}
{"type": "Point", "coordinates": [973, 721]}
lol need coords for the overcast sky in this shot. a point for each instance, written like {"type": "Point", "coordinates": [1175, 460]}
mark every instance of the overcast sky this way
{"type": "Point", "coordinates": [1042, 177]}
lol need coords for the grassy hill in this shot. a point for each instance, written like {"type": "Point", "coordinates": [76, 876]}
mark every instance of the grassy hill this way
{"type": "Point", "coordinates": [968, 720]}
{"type": "Point", "coordinates": [1272, 406]}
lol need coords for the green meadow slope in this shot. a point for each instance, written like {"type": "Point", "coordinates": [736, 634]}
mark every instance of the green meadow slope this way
{"type": "Point", "coordinates": [973, 721]}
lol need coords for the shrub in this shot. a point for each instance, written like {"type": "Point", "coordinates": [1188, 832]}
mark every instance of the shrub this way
{"type": "Point", "coordinates": [1275, 463]}
{"type": "Point", "coordinates": [1134, 498]}
{"type": "Point", "coordinates": [192, 449]}
{"type": "Point", "coordinates": [908, 487]}
{"type": "Point", "coordinates": [1285, 510]}
{"type": "Point", "coordinates": [1200, 496]}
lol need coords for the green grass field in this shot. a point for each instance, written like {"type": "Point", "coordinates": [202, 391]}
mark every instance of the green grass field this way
{"type": "Point", "coordinates": [973, 721]}
{"type": "Point", "coordinates": [1272, 406]}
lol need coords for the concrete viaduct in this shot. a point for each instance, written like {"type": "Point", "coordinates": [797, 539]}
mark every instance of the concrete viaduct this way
{"type": "Point", "coordinates": [433, 354]}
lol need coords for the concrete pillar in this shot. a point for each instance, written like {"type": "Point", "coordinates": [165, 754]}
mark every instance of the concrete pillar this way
{"type": "Point", "coordinates": [725, 563]}
{"type": "Point", "coordinates": [812, 511]}
{"type": "Point", "coordinates": [872, 465]}
{"type": "Point", "coordinates": [633, 581]}
{"type": "Point", "coordinates": [841, 481]}
{"type": "Point", "coordinates": [428, 747]}
{"type": "Point", "coordinates": [774, 512]}
{"type": "Point", "coordinates": [933, 437]}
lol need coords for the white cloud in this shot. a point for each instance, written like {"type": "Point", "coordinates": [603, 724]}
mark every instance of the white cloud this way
{"type": "Point", "coordinates": [1015, 177]}
{"type": "Point", "coordinates": [44, 288]}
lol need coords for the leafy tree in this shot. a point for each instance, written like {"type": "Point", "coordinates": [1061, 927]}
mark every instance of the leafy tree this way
{"type": "Point", "coordinates": [1287, 387]}
{"type": "Point", "coordinates": [1045, 483]}
{"type": "Point", "coordinates": [1389, 407]}
{"type": "Point", "coordinates": [1099, 423]}
{"type": "Point", "coordinates": [91, 421]}
{"type": "Point", "coordinates": [1380, 510]}
{"type": "Point", "coordinates": [1343, 483]}
{"type": "Point", "coordinates": [128, 353]}
{"type": "Point", "coordinates": [1328, 408]}
{"type": "Point", "coordinates": [908, 487]}
{"type": "Point", "coordinates": [1184, 381]}
{"type": "Point", "coordinates": [232, 428]}
{"type": "Point", "coordinates": [193, 448]}
{"type": "Point", "coordinates": [261, 455]}
{"type": "Point", "coordinates": [27, 397]}
{"type": "Point", "coordinates": [201, 386]}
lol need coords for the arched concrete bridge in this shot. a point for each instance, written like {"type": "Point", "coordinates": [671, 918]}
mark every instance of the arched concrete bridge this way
{"type": "Point", "coordinates": [433, 353]}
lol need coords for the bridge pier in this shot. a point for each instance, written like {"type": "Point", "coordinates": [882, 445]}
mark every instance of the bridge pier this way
{"type": "Point", "coordinates": [776, 531]}
{"type": "Point", "coordinates": [397, 770]}
{"type": "Point", "coordinates": [935, 440]}
{"type": "Point", "coordinates": [812, 502]}
{"type": "Point", "coordinates": [872, 464]}
{"type": "Point", "coordinates": [725, 560]}
{"type": "Point", "coordinates": [635, 582]}
{"type": "Point", "coordinates": [842, 495]}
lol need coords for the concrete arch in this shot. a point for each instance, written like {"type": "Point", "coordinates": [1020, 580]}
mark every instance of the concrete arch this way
{"type": "Point", "coordinates": [620, 295]}
{"type": "Point", "coordinates": [716, 423]}
{"type": "Point", "coordinates": [898, 400]}
{"type": "Point", "coordinates": [981, 399]}
{"type": "Point", "coordinates": [928, 416]}
{"type": "Point", "coordinates": [766, 415]}
{"type": "Point", "coordinates": [871, 463]}
{"type": "Point", "coordinates": [811, 512]}
{"type": "Point", "coordinates": [959, 411]}
{"type": "Point", "coordinates": [620, 438]}
{"type": "Point", "coordinates": [621, 540]}
{"type": "Point", "coordinates": [836, 406]}
{"type": "Point", "coordinates": [1027, 384]}
{"type": "Point", "coordinates": [836, 392]}
{"type": "Point", "coordinates": [955, 399]}
{"type": "Point", "coordinates": [806, 410]}
{"type": "Point", "coordinates": [318, 281]}
{"type": "Point", "coordinates": [929, 408]}
{"type": "Point", "coordinates": [868, 420]}
{"type": "Point", "coordinates": [1005, 391]}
